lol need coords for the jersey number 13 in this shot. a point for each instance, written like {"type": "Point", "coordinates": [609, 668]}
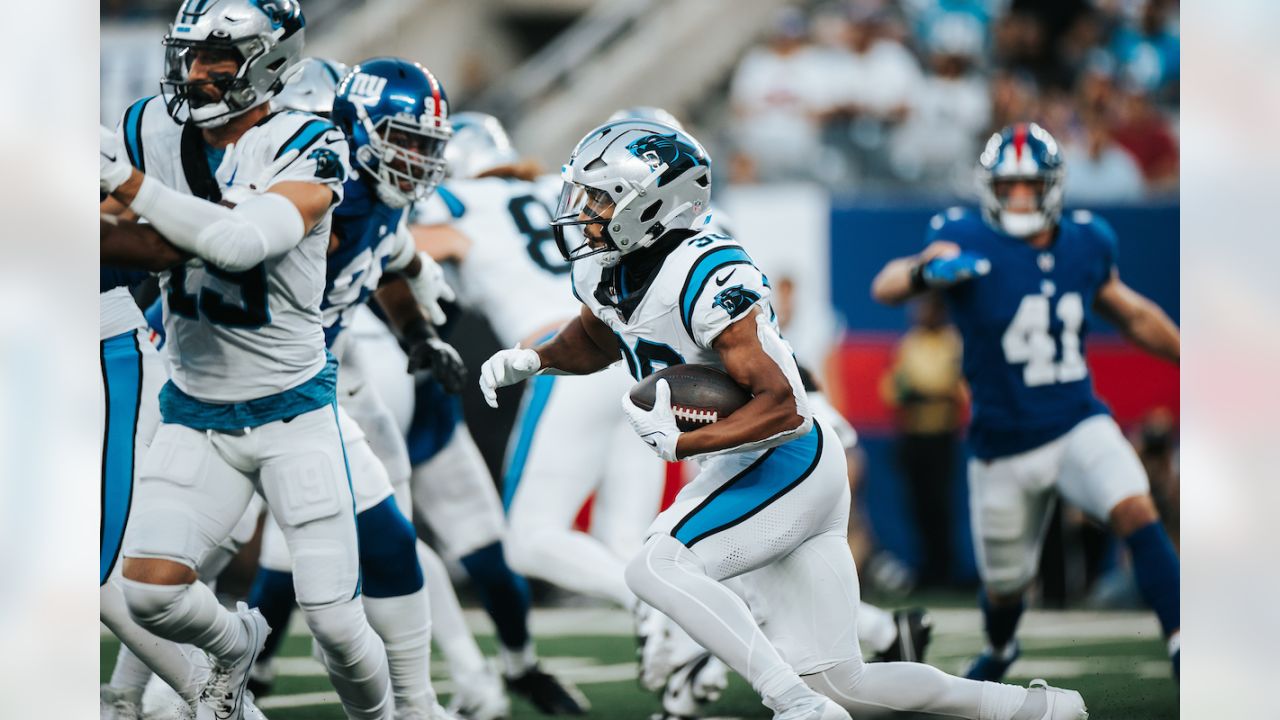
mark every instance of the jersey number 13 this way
{"type": "Point", "coordinates": [1027, 340]}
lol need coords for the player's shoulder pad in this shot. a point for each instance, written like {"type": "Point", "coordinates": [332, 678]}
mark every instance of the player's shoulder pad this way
{"type": "Point", "coordinates": [145, 119]}
{"type": "Point", "coordinates": [321, 147]}
{"type": "Point", "coordinates": [1096, 227]}
{"type": "Point", "coordinates": [720, 284]}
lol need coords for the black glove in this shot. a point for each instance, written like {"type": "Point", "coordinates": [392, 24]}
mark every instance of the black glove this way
{"type": "Point", "coordinates": [428, 352]}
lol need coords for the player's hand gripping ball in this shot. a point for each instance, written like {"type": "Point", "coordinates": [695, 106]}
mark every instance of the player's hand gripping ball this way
{"type": "Point", "coordinates": [679, 399]}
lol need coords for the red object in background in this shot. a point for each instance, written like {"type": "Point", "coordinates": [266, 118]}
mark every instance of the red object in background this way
{"type": "Point", "coordinates": [673, 480]}
{"type": "Point", "coordinates": [1131, 382]}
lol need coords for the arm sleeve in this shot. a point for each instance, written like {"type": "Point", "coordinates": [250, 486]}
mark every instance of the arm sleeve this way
{"type": "Point", "coordinates": [724, 293]}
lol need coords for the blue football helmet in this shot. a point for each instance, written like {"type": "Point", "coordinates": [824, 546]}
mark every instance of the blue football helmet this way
{"type": "Point", "coordinates": [396, 118]}
{"type": "Point", "coordinates": [1024, 151]}
{"type": "Point", "coordinates": [261, 39]}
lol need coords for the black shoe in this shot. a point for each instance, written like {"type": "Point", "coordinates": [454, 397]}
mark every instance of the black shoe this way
{"type": "Point", "coordinates": [915, 628]}
{"type": "Point", "coordinates": [548, 693]}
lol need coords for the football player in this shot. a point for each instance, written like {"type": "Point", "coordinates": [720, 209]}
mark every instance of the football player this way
{"type": "Point", "coordinates": [395, 116]}
{"type": "Point", "coordinates": [132, 374]}
{"type": "Point", "coordinates": [1018, 279]}
{"type": "Point", "coordinates": [251, 404]}
{"type": "Point", "coordinates": [770, 504]}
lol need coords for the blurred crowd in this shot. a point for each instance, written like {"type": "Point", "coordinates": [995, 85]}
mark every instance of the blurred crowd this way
{"type": "Point", "coordinates": [898, 96]}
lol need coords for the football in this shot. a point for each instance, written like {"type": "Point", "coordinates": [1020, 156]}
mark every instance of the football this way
{"type": "Point", "coordinates": [700, 394]}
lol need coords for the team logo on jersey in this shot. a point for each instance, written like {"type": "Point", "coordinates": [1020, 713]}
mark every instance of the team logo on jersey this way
{"type": "Point", "coordinates": [366, 89]}
{"type": "Point", "coordinates": [669, 150]}
{"type": "Point", "coordinates": [735, 300]}
{"type": "Point", "coordinates": [327, 164]}
{"type": "Point", "coordinates": [1045, 261]}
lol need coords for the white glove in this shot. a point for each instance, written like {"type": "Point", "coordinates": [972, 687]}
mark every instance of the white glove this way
{"type": "Point", "coordinates": [113, 162]}
{"type": "Point", "coordinates": [656, 427]}
{"type": "Point", "coordinates": [507, 367]}
{"type": "Point", "coordinates": [429, 288]}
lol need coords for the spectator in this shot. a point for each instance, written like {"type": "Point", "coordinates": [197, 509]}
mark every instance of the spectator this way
{"type": "Point", "coordinates": [774, 93]}
{"type": "Point", "coordinates": [1149, 50]}
{"type": "Point", "coordinates": [925, 386]}
{"type": "Point", "coordinates": [1099, 170]}
{"type": "Point", "coordinates": [1142, 131]}
{"type": "Point", "coordinates": [939, 141]}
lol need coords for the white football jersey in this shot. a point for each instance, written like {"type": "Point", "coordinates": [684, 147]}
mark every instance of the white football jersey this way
{"type": "Point", "coordinates": [512, 274]}
{"type": "Point", "coordinates": [238, 336]}
{"type": "Point", "coordinates": [706, 283]}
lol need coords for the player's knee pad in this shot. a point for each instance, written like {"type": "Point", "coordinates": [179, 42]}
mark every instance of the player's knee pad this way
{"type": "Point", "coordinates": [342, 630]}
{"type": "Point", "coordinates": [154, 607]}
{"type": "Point", "coordinates": [388, 554]}
{"type": "Point", "coordinates": [326, 572]}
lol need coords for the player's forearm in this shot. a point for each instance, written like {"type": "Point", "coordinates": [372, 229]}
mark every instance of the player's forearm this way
{"type": "Point", "coordinates": [894, 283]}
{"type": "Point", "coordinates": [573, 351]}
{"type": "Point", "coordinates": [400, 306]}
{"type": "Point", "coordinates": [128, 244]}
{"type": "Point", "coordinates": [1152, 330]}
{"type": "Point", "coordinates": [235, 239]}
{"type": "Point", "coordinates": [769, 418]}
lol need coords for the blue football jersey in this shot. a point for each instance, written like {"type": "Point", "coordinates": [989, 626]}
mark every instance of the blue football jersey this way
{"type": "Point", "coordinates": [1024, 327]}
{"type": "Point", "coordinates": [365, 228]}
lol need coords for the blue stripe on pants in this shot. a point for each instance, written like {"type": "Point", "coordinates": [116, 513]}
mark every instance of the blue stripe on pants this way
{"type": "Point", "coordinates": [528, 424]}
{"type": "Point", "coordinates": [770, 477]}
{"type": "Point", "coordinates": [121, 362]}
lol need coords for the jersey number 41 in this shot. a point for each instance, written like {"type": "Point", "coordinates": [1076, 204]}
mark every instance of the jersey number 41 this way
{"type": "Point", "coordinates": [1027, 340]}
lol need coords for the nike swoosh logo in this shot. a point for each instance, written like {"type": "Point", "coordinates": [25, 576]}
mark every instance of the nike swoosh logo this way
{"type": "Point", "coordinates": [110, 158]}
{"type": "Point", "coordinates": [725, 279]}
{"type": "Point", "coordinates": [651, 443]}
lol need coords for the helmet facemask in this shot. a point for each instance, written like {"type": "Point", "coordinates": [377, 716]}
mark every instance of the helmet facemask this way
{"type": "Point", "coordinates": [232, 93]}
{"type": "Point", "coordinates": [581, 206]}
{"type": "Point", "coordinates": [405, 157]}
{"type": "Point", "coordinates": [1016, 218]}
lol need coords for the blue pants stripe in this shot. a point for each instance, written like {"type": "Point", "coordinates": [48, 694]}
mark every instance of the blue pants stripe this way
{"type": "Point", "coordinates": [770, 477]}
{"type": "Point", "coordinates": [347, 466]}
{"type": "Point", "coordinates": [121, 362]}
{"type": "Point", "coordinates": [542, 385]}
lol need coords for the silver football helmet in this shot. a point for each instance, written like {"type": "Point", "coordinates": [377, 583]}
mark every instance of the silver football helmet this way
{"type": "Point", "coordinates": [311, 86]}
{"type": "Point", "coordinates": [479, 143]}
{"type": "Point", "coordinates": [243, 48]}
{"type": "Point", "coordinates": [647, 112]}
{"type": "Point", "coordinates": [636, 179]}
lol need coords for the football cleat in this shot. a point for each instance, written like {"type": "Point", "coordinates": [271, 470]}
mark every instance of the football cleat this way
{"type": "Point", "coordinates": [1045, 702]}
{"type": "Point", "coordinates": [225, 692]}
{"type": "Point", "coordinates": [816, 707]}
{"type": "Point", "coordinates": [480, 697]}
{"type": "Point", "coordinates": [120, 704]}
{"type": "Point", "coordinates": [549, 694]}
{"type": "Point", "coordinates": [915, 629]}
{"type": "Point", "coordinates": [991, 665]}
{"type": "Point", "coordinates": [161, 702]}
{"type": "Point", "coordinates": [693, 686]}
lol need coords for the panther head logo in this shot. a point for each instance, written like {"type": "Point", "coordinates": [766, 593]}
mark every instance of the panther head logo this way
{"type": "Point", "coordinates": [735, 300]}
{"type": "Point", "coordinates": [669, 150]}
{"type": "Point", "coordinates": [327, 164]}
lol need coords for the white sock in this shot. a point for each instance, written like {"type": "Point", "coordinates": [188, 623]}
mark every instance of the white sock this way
{"type": "Point", "coordinates": [179, 666]}
{"type": "Point", "coordinates": [188, 614]}
{"type": "Point", "coordinates": [129, 672]}
{"type": "Point", "coordinates": [448, 626]}
{"type": "Point", "coordinates": [404, 624]}
{"type": "Point", "coordinates": [668, 576]}
{"type": "Point", "coordinates": [354, 657]}
{"type": "Point", "coordinates": [517, 661]}
{"type": "Point", "coordinates": [876, 627]}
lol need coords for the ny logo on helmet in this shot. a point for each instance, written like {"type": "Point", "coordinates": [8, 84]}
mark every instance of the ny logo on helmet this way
{"type": "Point", "coordinates": [669, 150]}
{"type": "Point", "coordinates": [366, 89]}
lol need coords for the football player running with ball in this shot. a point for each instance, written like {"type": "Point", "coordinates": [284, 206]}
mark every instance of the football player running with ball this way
{"type": "Point", "coordinates": [770, 504]}
{"type": "Point", "coordinates": [1017, 279]}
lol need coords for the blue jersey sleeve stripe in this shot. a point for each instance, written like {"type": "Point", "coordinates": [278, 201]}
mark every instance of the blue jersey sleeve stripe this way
{"type": "Point", "coordinates": [703, 268]}
{"type": "Point", "coordinates": [451, 201]}
{"type": "Point", "coordinates": [305, 135]}
{"type": "Point", "coordinates": [121, 361]}
{"type": "Point", "coordinates": [133, 134]}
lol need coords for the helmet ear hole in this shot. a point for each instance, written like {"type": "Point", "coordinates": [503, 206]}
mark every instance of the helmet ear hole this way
{"type": "Point", "coordinates": [703, 180]}
{"type": "Point", "coordinates": [650, 211]}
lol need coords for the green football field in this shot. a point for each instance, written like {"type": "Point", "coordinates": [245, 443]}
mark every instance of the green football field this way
{"type": "Point", "coordinates": [1115, 659]}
